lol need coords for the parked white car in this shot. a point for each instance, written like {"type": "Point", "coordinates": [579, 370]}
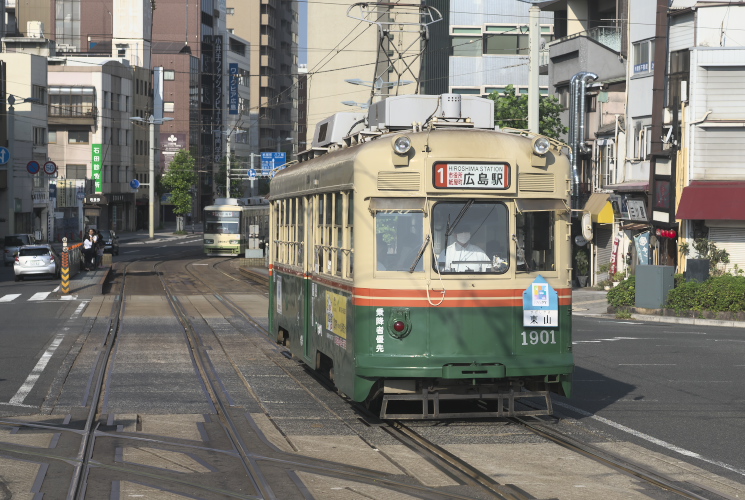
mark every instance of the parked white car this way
{"type": "Point", "coordinates": [35, 260]}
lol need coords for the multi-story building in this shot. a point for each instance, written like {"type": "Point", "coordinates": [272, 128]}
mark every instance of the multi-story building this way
{"type": "Point", "coordinates": [271, 29]}
{"type": "Point", "coordinates": [90, 106]}
{"type": "Point", "coordinates": [488, 47]}
{"type": "Point", "coordinates": [24, 201]}
{"type": "Point", "coordinates": [590, 39]}
{"type": "Point", "coordinates": [706, 110]}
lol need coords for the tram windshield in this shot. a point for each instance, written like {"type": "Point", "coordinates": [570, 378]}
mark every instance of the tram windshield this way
{"type": "Point", "coordinates": [471, 237]}
{"type": "Point", "coordinates": [216, 222]}
{"type": "Point", "coordinates": [399, 240]}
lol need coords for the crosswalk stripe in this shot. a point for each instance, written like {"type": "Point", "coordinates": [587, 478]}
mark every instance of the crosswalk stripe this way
{"type": "Point", "coordinates": [40, 296]}
{"type": "Point", "coordinates": [9, 297]}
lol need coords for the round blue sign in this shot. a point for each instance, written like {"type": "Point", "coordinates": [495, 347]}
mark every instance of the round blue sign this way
{"type": "Point", "coordinates": [134, 184]}
{"type": "Point", "coordinates": [33, 167]}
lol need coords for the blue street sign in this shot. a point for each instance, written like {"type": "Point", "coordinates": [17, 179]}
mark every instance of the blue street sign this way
{"type": "Point", "coordinates": [251, 173]}
{"type": "Point", "coordinates": [134, 184]}
{"type": "Point", "coordinates": [271, 161]}
{"type": "Point", "coordinates": [33, 167]}
{"type": "Point", "coordinates": [4, 156]}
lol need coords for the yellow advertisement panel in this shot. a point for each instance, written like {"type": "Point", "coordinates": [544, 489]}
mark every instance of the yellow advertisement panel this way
{"type": "Point", "coordinates": [336, 314]}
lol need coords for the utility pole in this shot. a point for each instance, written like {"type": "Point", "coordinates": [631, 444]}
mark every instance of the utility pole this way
{"type": "Point", "coordinates": [534, 34]}
{"type": "Point", "coordinates": [227, 170]}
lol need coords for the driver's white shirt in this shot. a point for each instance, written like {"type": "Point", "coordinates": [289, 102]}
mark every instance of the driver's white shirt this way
{"type": "Point", "coordinates": [456, 252]}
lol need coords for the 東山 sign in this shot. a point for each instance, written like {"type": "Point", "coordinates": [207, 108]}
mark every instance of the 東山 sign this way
{"type": "Point", "coordinates": [540, 305]}
{"type": "Point", "coordinates": [97, 168]}
{"type": "Point", "coordinates": [233, 86]}
{"type": "Point", "coordinates": [270, 161]}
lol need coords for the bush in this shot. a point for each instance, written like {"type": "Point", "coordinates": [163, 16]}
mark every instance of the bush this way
{"type": "Point", "coordinates": [719, 294]}
{"type": "Point", "coordinates": [624, 294]}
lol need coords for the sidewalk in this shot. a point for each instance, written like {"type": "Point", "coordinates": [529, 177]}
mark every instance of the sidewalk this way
{"type": "Point", "coordinates": [593, 302]}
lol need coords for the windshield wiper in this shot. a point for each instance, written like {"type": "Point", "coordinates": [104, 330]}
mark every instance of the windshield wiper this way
{"type": "Point", "coordinates": [459, 217]}
{"type": "Point", "coordinates": [419, 254]}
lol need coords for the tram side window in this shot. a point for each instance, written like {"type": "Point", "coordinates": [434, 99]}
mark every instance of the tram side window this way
{"type": "Point", "coordinates": [399, 237]}
{"type": "Point", "coordinates": [535, 242]}
{"type": "Point", "coordinates": [471, 237]}
{"type": "Point", "coordinates": [332, 235]}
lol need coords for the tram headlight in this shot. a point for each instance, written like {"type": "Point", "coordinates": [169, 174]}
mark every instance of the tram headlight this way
{"type": "Point", "coordinates": [401, 144]}
{"type": "Point", "coordinates": [209, 241]}
{"type": "Point", "coordinates": [233, 242]}
{"type": "Point", "coordinates": [541, 145]}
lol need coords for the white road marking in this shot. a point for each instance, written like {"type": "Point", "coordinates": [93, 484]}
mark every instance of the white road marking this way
{"type": "Point", "coordinates": [36, 372]}
{"type": "Point", "coordinates": [9, 297]}
{"type": "Point", "coordinates": [646, 364]}
{"type": "Point", "coordinates": [79, 310]}
{"type": "Point", "coordinates": [200, 264]}
{"type": "Point", "coordinates": [56, 289]}
{"type": "Point", "coordinates": [68, 297]}
{"type": "Point", "coordinates": [39, 296]}
{"type": "Point", "coordinates": [651, 439]}
{"type": "Point", "coordinates": [132, 251]}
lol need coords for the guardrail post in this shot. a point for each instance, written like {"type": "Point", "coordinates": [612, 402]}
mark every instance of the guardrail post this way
{"type": "Point", "coordinates": [65, 271]}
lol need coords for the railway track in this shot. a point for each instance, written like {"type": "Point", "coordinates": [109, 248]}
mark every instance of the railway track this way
{"type": "Point", "coordinates": [253, 465]}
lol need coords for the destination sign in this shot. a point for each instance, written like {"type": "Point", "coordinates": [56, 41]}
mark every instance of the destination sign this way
{"type": "Point", "coordinates": [472, 175]}
{"type": "Point", "coordinates": [221, 214]}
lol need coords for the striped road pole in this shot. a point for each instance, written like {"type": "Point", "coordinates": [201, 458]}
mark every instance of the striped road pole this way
{"type": "Point", "coordinates": [65, 273]}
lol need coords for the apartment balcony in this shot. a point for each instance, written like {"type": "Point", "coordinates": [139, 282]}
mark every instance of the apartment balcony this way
{"type": "Point", "coordinates": [597, 50]}
{"type": "Point", "coordinates": [73, 115]}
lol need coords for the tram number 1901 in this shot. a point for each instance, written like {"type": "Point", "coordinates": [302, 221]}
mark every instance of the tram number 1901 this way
{"type": "Point", "coordinates": [542, 337]}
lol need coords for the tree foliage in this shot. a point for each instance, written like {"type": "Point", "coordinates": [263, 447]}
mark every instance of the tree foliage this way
{"type": "Point", "coordinates": [511, 110]}
{"type": "Point", "coordinates": [181, 179]}
{"type": "Point", "coordinates": [236, 186]}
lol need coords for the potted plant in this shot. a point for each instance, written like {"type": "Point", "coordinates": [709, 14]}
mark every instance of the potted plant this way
{"type": "Point", "coordinates": [618, 278]}
{"type": "Point", "coordinates": [583, 266]}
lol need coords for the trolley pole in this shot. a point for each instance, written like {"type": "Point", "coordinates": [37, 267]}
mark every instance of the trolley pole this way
{"type": "Point", "coordinates": [65, 271]}
{"type": "Point", "coordinates": [534, 35]}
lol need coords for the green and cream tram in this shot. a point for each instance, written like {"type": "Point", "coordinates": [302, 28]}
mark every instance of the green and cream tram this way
{"type": "Point", "coordinates": [224, 224]}
{"type": "Point", "coordinates": [427, 271]}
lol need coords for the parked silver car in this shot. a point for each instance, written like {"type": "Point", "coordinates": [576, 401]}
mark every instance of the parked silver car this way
{"type": "Point", "coordinates": [35, 260]}
{"type": "Point", "coordinates": [12, 243]}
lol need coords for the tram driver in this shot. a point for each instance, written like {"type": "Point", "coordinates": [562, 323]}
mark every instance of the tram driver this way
{"type": "Point", "coordinates": [462, 255]}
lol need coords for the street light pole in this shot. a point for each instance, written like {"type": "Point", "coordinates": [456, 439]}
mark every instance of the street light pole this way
{"type": "Point", "coordinates": [151, 178]}
{"type": "Point", "coordinates": [151, 121]}
{"type": "Point", "coordinates": [227, 171]}
{"type": "Point", "coordinates": [11, 166]}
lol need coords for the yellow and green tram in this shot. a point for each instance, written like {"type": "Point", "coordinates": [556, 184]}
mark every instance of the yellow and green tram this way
{"type": "Point", "coordinates": [231, 228]}
{"type": "Point", "coordinates": [427, 272]}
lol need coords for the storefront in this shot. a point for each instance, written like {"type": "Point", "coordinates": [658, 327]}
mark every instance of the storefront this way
{"type": "Point", "coordinates": [716, 211]}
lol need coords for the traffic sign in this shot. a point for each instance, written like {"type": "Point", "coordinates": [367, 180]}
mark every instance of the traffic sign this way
{"type": "Point", "coordinates": [4, 156]}
{"type": "Point", "coordinates": [134, 184]}
{"type": "Point", "coordinates": [251, 173]}
{"type": "Point", "coordinates": [33, 167]}
{"type": "Point", "coordinates": [50, 168]}
{"type": "Point", "coordinates": [270, 161]}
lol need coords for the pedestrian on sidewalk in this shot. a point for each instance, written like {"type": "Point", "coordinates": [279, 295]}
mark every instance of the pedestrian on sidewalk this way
{"type": "Point", "coordinates": [89, 248]}
{"type": "Point", "coordinates": [100, 247]}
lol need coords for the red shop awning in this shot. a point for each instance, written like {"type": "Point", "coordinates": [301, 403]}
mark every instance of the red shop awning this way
{"type": "Point", "coordinates": [714, 200]}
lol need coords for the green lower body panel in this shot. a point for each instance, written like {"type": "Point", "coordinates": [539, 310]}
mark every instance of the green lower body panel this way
{"type": "Point", "coordinates": [428, 346]}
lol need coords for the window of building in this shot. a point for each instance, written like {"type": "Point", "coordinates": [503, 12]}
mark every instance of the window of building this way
{"type": "Point", "coordinates": [230, 11]}
{"type": "Point", "coordinates": [643, 53]}
{"type": "Point", "coordinates": [466, 46]}
{"type": "Point", "coordinates": [105, 99]}
{"type": "Point", "coordinates": [77, 136]}
{"type": "Point", "coordinates": [40, 93]}
{"type": "Point", "coordinates": [40, 136]}
{"type": "Point", "coordinates": [52, 137]}
{"type": "Point", "coordinates": [75, 171]}
{"type": "Point", "coordinates": [168, 107]}
{"type": "Point", "coordinates": [169, 74]}
{"type": "Point", "coordinates": [511, 42]}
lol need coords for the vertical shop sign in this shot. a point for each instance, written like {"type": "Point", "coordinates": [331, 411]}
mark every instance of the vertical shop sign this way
{"type": "Point", "coordinates": [97, 168]}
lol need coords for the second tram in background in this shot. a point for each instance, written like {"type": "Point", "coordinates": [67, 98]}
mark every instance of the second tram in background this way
{"type": "Point", "coordinates": [231, 227]}
{"type": "Point", "coordinates": [423, 263]}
